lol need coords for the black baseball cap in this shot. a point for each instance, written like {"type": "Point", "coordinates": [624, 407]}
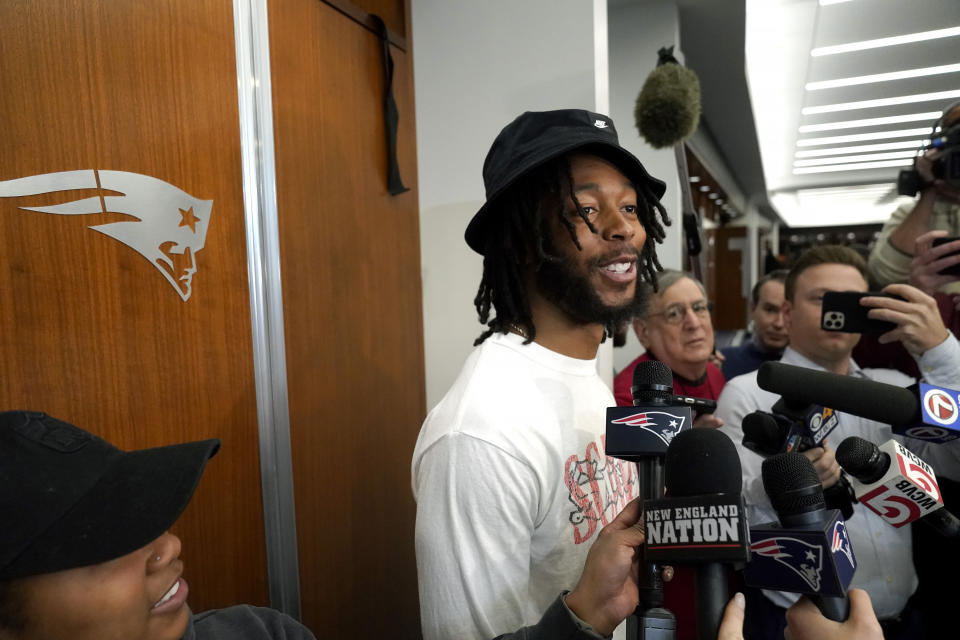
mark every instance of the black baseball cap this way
{"type": "Point", "coordinates": [536, 137]}
{"type": "Point", "coordinates": [70, 499]}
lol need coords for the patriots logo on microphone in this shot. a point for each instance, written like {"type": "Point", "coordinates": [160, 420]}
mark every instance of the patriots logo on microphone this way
{"type": "Point", "coordinates": [806, 560]}
{"type": "Point", "coordinates": [662, 424]}
{"type": "Point", "coordinates": [165, 225]}
{"type": "Point", "coordinates": [841, 542]}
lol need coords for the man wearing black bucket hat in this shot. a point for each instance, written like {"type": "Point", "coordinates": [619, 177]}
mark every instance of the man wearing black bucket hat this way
{"type": "Point", "coordinates": [85, 552]}
{"type": "Point", "coordinates": [509, 472]}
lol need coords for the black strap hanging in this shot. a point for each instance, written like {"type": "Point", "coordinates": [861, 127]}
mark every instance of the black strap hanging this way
{"type": "Point", "coordinates": [390, 114]}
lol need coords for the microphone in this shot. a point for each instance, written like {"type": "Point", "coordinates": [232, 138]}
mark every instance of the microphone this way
{"type": "Point", "coordinates": [808, 550]}
{"type": "Point", "coordinates": [647, 388]}
{"type": "Point", "coordinates": [933, 420]}
{"type": "Point", "coordinates": [768, 434]}
{"type": "Point", "coordinates": [702, 521]}
{"type": "Point", "coordinates": [643, 432]}
{"type": "Point", "coordinates": [899, 493]}
{"type": "Point", "coordinates": [667, 110]}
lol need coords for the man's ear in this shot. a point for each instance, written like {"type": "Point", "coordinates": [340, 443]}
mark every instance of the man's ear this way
{"type": "Point", "coordinates": [641, 330]}
{"type": "Point", "coordinates": [787, 309]}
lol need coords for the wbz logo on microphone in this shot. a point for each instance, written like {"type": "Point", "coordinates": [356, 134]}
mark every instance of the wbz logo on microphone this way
{"type": "Point", "coordinates": [906, 492]}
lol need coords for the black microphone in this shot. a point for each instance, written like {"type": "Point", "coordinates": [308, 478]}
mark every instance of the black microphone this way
{"type": "Point", "coordinates": [702, 520]}
{"type": "Point", "coordinates": [899, 493]}
{"type": "Point", "coordinates": [808, 550]}
{"type": "Point", "coordinates": [641, 434]}
{"type": "Point", "coordinates": [768, 434]}
{"type": "Point", "coordinates": [897, 406]}
{"type": "Point", "coordinates": [649, 388]}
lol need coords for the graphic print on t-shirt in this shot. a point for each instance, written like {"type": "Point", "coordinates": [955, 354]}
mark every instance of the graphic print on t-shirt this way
{"type": "Point", "coordinates": [600, 487]}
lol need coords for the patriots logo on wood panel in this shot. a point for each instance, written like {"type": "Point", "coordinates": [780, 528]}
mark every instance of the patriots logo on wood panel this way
{"type": "Point", "coordinates": [169, 226]}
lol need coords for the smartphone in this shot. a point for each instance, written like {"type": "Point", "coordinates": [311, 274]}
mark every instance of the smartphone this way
{"type": "Point", "coordinates": [955, 269]}
{"type": "Point", "coordinates": [841, 311]}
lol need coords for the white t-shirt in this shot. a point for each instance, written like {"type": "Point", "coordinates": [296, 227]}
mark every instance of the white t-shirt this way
{"type": "Point", "coordinates": [512, 485]}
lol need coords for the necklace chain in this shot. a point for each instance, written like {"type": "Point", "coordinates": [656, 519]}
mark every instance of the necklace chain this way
{"type": "Point", "coordinates": [513, 326]}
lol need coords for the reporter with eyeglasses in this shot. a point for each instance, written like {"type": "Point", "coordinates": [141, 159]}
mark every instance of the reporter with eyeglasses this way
{"type": "Point", "coordinates": [676, 329]}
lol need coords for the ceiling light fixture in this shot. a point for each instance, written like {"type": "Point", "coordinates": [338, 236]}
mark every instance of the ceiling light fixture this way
{"type": "Point", "coordinates": [886, 42]}
{"type": "Point", "coordinates": [866, 157]}
{"type": "Point", "coordinates": [927, 116]}
{"type": "Point", "coordinates": [882, 77]}
{"type": "Point", "coordinates": [713, 196]}
{"type": "Point", "coordinates": [859, 137]}
{"type": "Point", "coordinates": [704, 188]}
{"type": "Point", "coordinates": [852, 167]}
{"type": "Point", "coordinates": [697, 178]}
{"type": "Point", "coordinates": [881, 102]}
{"type": "Point", "coordinates": [861, 148]}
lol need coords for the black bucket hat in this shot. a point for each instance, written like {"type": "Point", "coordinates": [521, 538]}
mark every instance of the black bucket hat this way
{"type": "Point", "coordinates": [536, 137]}
{"type": "Point", "coordinates": [70, 499]}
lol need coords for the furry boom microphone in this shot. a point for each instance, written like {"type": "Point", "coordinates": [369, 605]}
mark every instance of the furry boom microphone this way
{"type": "Point", "coordinates": [668, 107]}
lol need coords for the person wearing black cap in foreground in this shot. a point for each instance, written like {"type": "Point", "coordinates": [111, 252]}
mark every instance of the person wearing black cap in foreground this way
{"type": "Point", "coordinates": [85, 551]}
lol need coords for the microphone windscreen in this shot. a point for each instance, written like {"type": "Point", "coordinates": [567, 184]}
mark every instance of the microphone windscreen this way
{"type": "Point", "coordinates": [668, 107]}
{"type": "Point", "coordinates": [792, 484]}
{"type": "Point", "coordinates": [861, 397]}
{"type": "Point", "coordinates": [762, 429]}
{"type": "Point", "coordinates": [855, 454]}
{"type": "Point", "coordinates": [652, 380]}
{"type": "Point", "coordinates": [702, 462]}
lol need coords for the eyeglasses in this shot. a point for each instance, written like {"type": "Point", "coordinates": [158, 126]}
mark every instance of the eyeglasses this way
{"type": "Point", "coordinates": [675, 314]}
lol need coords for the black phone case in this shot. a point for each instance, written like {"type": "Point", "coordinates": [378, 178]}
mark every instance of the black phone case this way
{"type": "Point", "coordinates": [841, 311]}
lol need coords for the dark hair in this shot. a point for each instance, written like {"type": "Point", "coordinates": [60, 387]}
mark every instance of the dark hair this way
{"type": "Point", "coordinates": [12, 616]}
{"type": "Point", "coordinates": [779, 275]}
{"type": "Point", "coordinates": [516, 239]}
{"type": "Point", "coordinates": [823, 254]}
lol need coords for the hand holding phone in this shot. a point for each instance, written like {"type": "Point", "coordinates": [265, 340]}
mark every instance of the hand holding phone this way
{"type": "Point", "coordinates": [901, 313]}
{"type": "Point", "coordinates": [842, 311]}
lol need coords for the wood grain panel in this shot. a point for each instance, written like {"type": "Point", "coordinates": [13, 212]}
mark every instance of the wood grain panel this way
{"type": "Point", "coordinates": [723, 274]}
{"type": "Point", "coordinates": [90, 331]}
{"type": "Point", "coordinates": [352, 310]}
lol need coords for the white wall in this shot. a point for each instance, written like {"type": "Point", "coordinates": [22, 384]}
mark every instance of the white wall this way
{"type": "Point", "coordinates": [636, 33]}
{"type": "Point", "coordinates": [478, 65]}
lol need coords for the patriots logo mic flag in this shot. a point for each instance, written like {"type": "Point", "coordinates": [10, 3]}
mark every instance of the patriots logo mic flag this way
{"type": "Point", "coordinates": [168, 226]}
{"type": "Point", "coordinates": [636, 432]}
{"type": "Point", "coordinates": [803, 558]}
{"type": "Point", "coordinates": [662, 424]}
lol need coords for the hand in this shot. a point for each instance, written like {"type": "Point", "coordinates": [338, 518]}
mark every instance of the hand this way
{"type": "Point", "coordinates": [805, 622]}
{"type": "Point", "coordinates": [825, 463]}
{"type": "Point", "coordinates": [731, 627]}
{"type": "Point", "coordinates": [924, 166]}
{"type": "Point", "coordinates": [707, 421]}
{"type": "Point", "coordinates": [607, 591]}
{"type": "Point", "coordinates": [919, 325]}
{"type": "Point", "coordinates": [929, 261]}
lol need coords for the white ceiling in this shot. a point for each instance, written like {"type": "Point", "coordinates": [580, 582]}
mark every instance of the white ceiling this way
{"type": "Point", "coordinates": [792, 111]}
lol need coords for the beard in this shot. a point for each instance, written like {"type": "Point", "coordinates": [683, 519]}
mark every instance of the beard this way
{"type": "Point", "coordinates": [560, 283]}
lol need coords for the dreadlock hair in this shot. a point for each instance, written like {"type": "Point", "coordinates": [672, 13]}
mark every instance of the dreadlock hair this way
{"type": "Point", "coordinates": [516, 238]}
